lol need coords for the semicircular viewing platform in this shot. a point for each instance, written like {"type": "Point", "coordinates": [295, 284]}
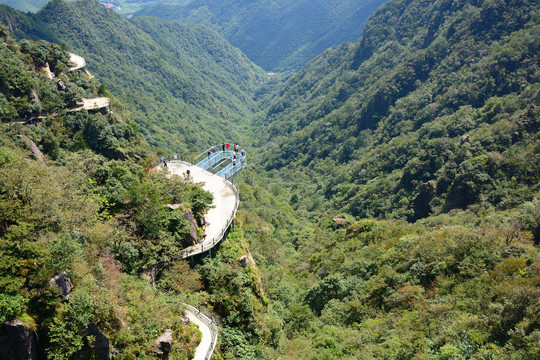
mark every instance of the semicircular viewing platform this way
{"type": "Point", "coordinates": [215, 168]}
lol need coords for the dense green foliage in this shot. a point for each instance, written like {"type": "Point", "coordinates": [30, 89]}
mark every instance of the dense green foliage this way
{"type": "Point", "coordinates": [278, 36]}
{"type": "Point", "coordinates": [432, 118]}
{"type": "Point", "coordinates": [186, 85]}
{"type": "Point", "coordinates": [391, 206]}
{"type": "Point", "coordinates": [102, 221]}
{"type": "Point", "coordinates": [433, 113]}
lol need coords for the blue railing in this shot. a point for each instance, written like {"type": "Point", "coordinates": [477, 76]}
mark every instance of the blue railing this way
{"type": "Point", "coordinates": [213, 159]}
{"type": "Point", "coordinates": [233, 168]}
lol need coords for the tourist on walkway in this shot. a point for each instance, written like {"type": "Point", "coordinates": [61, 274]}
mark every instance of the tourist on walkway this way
{"type": "Point", "coordinates": [223, 147]}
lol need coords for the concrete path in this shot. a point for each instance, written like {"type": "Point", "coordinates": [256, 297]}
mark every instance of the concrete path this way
{"type": "Point", "coordinates": [225, 204]}
{"type": "Point", "coordinates": [93, 104]}
{"type": "Point", "coordinates": [206, 341]}
{"type": "Point", "coordinates": [75, 62]}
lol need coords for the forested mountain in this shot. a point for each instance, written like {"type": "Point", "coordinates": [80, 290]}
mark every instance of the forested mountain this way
{"type": "Point", "coordinates": [433, 109]}
{"type": "Point", "coordinates": [186, 84]}
{"type": "Point", "coordinates": [73, 215]}
{"type": "Point", "coordinates": [399, 214]}
{"type": "Point", "coordinates": [391, 202]}
{"type": "Point", "coordinates": [276, 35]}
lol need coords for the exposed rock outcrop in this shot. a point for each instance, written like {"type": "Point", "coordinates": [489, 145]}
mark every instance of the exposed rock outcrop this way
{"type": "Point", "coordinates": [63, 282]}
{"type": "Point", "coordinates": [101, 346]}
{"type": "Point", "coordinates": [164, 344]}
{"type": "Point", "coordinates": [121, 155]}
{"type": "Point", "coordinates": [38, 155]}
{"type": "Point", "coordinates": [247, 261]}
{"type": "Point", "coordinates": [192, 236]}
{"type": "Point", "coordinates": [17, 341]}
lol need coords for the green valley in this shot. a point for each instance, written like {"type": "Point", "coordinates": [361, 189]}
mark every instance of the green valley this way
{"type": "Point", "coordinates": [390, 208]}
{"type": "Point", "coordinates": [278, 36]}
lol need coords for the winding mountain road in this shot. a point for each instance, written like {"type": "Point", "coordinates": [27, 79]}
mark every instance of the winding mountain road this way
{"type": "Point", "coordinates": [75, 62]}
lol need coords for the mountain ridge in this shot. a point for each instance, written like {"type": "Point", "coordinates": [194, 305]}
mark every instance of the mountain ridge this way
{"type": "Point", "coordinates": [169, 87]}
{"type": "Point", "coordinates": [278, 37]}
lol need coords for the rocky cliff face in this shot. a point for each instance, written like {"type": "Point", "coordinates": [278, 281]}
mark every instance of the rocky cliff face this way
{"type": "Point", "coordinates": [17, 341]}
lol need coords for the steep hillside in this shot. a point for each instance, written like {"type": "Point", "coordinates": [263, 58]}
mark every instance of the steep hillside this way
{"type": "Point", "coordinates": [78, 227]}
{"type": "Point", "coordinates": [188, 86]}
{"type": "Point", "coordinates": [278, 36]}
{"type": "Point", "coordinates": [395, 213]}
{"type": "Point", "coordinates": [435, 108]}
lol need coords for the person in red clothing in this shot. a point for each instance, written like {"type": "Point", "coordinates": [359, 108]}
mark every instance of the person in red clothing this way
{"type": "Point", "coordinates": [228, 145]}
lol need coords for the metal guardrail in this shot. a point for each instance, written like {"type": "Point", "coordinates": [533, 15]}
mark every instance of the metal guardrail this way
{"type": "Point", "coordinates": [208, 320]}
{"type": "Point", "coordinates": [173, 158]}
{"type": "Point", "coordinates": [232, 169]}
{"type": "Point", "coordinates": [198, 158]}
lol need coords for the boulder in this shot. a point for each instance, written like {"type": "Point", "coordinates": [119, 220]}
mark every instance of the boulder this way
{"type": "Point", "coordinates": [192, 236]}
{"type": "Point", "coordinates": [63, 282]}
{"type": "Point", "coordinates": [243, 261]}
{"type": "Point", "coordinates": [38, 155]}
{"type": "Point", "coordinates": [164, 344]}
{"type": "Point", "coordinates": [61, 85]}
{"type": "Point", "coordinates": [101, 347]}
{"type": "Point", "coordinates": [17, 341]}
{"type": "Point", "coordinates": [121, 155]}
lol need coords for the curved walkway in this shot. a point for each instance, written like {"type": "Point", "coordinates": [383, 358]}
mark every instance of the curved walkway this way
{"type": "Point", "coordinates": [93, 104]}
{"type": "Point", "coordinates": [209, 333]}
{"type": "Point", "coordinates": [219, 218]}
{"type": "Point", "coordinates": [75, 62]}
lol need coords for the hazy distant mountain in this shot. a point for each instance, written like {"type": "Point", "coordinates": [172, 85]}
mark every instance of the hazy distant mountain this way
{"type": "Point", "coordinates": [276, 35]}
{"type": "Point", "coordinates": [25, 5]}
